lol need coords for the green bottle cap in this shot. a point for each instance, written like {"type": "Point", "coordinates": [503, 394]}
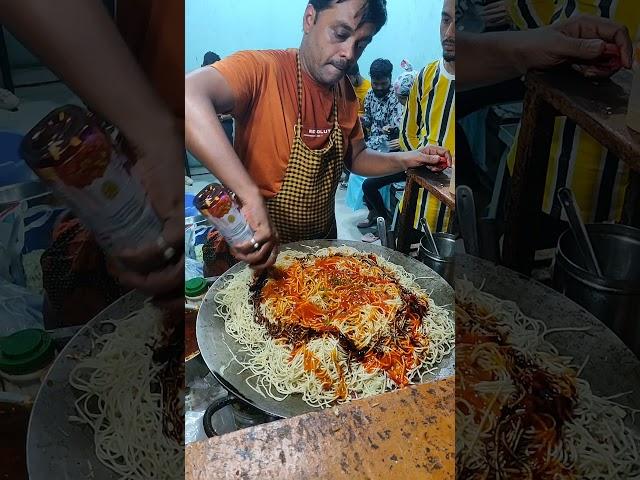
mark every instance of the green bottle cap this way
{"type": "Point", "coordinates": [26, 351]}
{"type": "Point", "coordinates": [195, 287]}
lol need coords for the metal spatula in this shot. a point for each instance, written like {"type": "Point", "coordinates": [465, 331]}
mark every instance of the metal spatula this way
{"type": "Point", "coordinates": [433, 248]}
{"type": "Point", "coordinates": [466, 211]}
{"type": "Point", "coordinates": [568, 202]}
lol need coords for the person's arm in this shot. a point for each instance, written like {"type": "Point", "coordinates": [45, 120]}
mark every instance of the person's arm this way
{"type": "Point", "coordinates": [367, 118]}
{"type": "Point", "coordinates": [398, 115]}
{"type": "Point", "coordinates": [394, 121]}
{"type": "Point", "coordinates": [369, 163]}
{"type": "Point", "coordinates": [78, 41]}
{"type": "Point", "coordinates": [488, 58]}
{"type": "Point", "coordinates": [207, 93]}
{"type": "Point", "coordinates": [409, 129]}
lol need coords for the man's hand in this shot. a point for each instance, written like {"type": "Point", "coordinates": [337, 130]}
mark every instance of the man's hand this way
{"type": "Point", "coordinates": [494, 14]}
{"type": "Point", "coordinates": [394, 145]}
{"type": "Point", "coordinates": [583, 29]}
{"type": "Point", "coordinates": [160, 162]}
{"type": "Point", "coordinates": [265, 235]}
{"type": "Point", "coordinates": [433, 157]}
{"type": "Point", "coordinates": [580, 40]}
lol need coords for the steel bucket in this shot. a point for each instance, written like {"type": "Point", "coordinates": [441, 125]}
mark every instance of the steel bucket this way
{"type": "Point", "coordinates": [615, 298]}
{"type": "Point", "coordinates": [443, 264]}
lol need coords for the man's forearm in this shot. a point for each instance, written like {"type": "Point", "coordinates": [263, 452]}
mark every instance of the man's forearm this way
{"type": "Point", "coordinates": [206, 139]}
{"type": "Point", "coordinates": [78, 40]}
{"type": "Point", "coordinates": [370, 163]}
{"type": "Point", "coordinates": [486, 59]}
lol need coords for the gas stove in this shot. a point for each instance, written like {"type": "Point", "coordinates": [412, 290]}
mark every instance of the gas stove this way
{"type": "Point", "coordinates": [210, 409]}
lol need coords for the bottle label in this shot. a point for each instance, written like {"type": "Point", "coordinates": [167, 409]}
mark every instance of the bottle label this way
{"type": "Point", "coordinates": [107, 199]}
{"type": "Point", "coordinates": [232, 226]}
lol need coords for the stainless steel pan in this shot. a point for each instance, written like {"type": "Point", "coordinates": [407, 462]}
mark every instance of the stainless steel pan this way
{"type": "Point", "coordinates": [218, 348]}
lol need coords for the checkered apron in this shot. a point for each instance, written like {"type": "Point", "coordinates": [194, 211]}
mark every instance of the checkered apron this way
{"type": "Point", "coordinates": [304, 208]}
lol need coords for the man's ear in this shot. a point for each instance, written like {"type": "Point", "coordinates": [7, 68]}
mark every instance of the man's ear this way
{"type": "Point", "coordinates": [309, 19]}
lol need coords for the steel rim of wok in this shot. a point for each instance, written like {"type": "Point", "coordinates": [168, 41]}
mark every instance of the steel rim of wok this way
{"type": "Point", "coordinates": [219, 358]}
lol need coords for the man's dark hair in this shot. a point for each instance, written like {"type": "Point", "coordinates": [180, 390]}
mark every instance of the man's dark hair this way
{"type": "Point", "coordinates": [210, 58]}
{"type": "Point", "coordinates": [381, 68]}
{"type": "Point", "coordinates": [353, 69]}
{"type": "Point", "coordinates": [373, 11]}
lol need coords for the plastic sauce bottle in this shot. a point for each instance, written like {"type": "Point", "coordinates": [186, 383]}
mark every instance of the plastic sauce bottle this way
{"type": "Point", "coordinates": [194, 291]}
{"type": "Point", "coordinates": [633, 112]}
{"type": "Point", "coordinates": [71, 152]}
{"type": "Point", "coordinates": [25, 358]}
{"type": "Point", "coordinates": [219, 206]}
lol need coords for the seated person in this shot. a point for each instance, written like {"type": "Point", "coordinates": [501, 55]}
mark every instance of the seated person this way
{"type": "Point", "coordinates": [371, 186]}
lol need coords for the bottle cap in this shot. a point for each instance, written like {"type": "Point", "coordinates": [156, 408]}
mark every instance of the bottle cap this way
{"type": "Point", "coordinates": [26, 351]}
{"type": "Point", "coordinates": [195, 287]}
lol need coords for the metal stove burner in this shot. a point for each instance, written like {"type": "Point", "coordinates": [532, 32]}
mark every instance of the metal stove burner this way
{"type": "Point", "coordinates": [241, 414]}
{"type": "Point", "coordinates": [225, 413]}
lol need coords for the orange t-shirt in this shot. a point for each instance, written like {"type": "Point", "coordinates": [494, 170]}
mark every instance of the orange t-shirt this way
{"type": "Point", "coordinates": [154, 31]}
{"type": "Point", "coordinates": [264, 85]}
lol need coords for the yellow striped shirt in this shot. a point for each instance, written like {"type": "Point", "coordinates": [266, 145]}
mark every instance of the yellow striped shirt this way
{"type": "Point", "coordinates": [429, 119]}
{"type": "Point", "coordinates": [527, 14]}
{"type": "Point", "coordinates": [597, 178]}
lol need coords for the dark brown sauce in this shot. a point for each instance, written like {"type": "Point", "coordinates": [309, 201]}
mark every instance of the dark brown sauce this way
{"type": "Point", "coordinates": [190, 341]}
{"type": "Point", "coordinates": [297, 335]}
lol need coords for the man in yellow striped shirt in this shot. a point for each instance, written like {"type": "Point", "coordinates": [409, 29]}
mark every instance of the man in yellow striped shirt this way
{"type": "Point", "coordinates": [429, 118]}
{"type": "Point", "coordinates": [597, 178]}
{"type": "Point", "coordinates": [526, 14]}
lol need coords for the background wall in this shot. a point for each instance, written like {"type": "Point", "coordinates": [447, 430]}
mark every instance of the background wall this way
{"type": "Point", "coordinates": [224, 27]}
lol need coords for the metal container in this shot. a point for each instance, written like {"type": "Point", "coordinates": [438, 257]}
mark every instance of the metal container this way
{"type": "Point", "coordinates": [444, 263]}
{"type": "Point", "coordinates": [615, 298]}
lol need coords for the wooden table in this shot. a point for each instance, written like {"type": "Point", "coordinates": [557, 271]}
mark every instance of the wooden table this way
{"type": "Point", "coordinates": [405, 434]}
{"type": "Point", "coordinates": [437, 184]}
{"type": "Point", "coordinates": [599, 108]}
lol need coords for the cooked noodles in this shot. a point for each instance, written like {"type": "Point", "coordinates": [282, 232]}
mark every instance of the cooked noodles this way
{"type": "Point", "coordinates": [521, 409]}
{"type": "Point", "coordinates": [122, 400]}
{"type": "Point", "coordinates": [333, 326]}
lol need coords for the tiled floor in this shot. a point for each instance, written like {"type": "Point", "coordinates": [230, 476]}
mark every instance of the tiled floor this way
{"type": "Point", "coordinates": [35, 103]}
{"type": "Point", "coordinates": [348, 218]}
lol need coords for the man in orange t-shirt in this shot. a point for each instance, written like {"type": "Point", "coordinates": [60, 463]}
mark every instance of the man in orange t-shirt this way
{"type": "Point", "coordinates": [296, 125]}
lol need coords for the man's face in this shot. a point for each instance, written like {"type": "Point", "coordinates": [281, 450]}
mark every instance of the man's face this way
{"type": "Point", "coordinates": [334, 40]}
{"type": "Point", "coordinates": [448, 30]}
{"type": "Point", "coordinates": [380, 86]}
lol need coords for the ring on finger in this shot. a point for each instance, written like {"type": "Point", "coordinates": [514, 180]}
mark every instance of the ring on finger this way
{"type": "Point", "coordinates": [256, 245]}
{"type": "Point", "coordinates": [169, 253]}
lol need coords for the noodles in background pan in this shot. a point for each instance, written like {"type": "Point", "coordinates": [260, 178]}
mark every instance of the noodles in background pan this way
{"type": "Point", "coordinates": [122, 399]}
{"type": "Point", "coordinates": [333, 326]}
{"type": "Point", "coordinates": [522, 410]}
